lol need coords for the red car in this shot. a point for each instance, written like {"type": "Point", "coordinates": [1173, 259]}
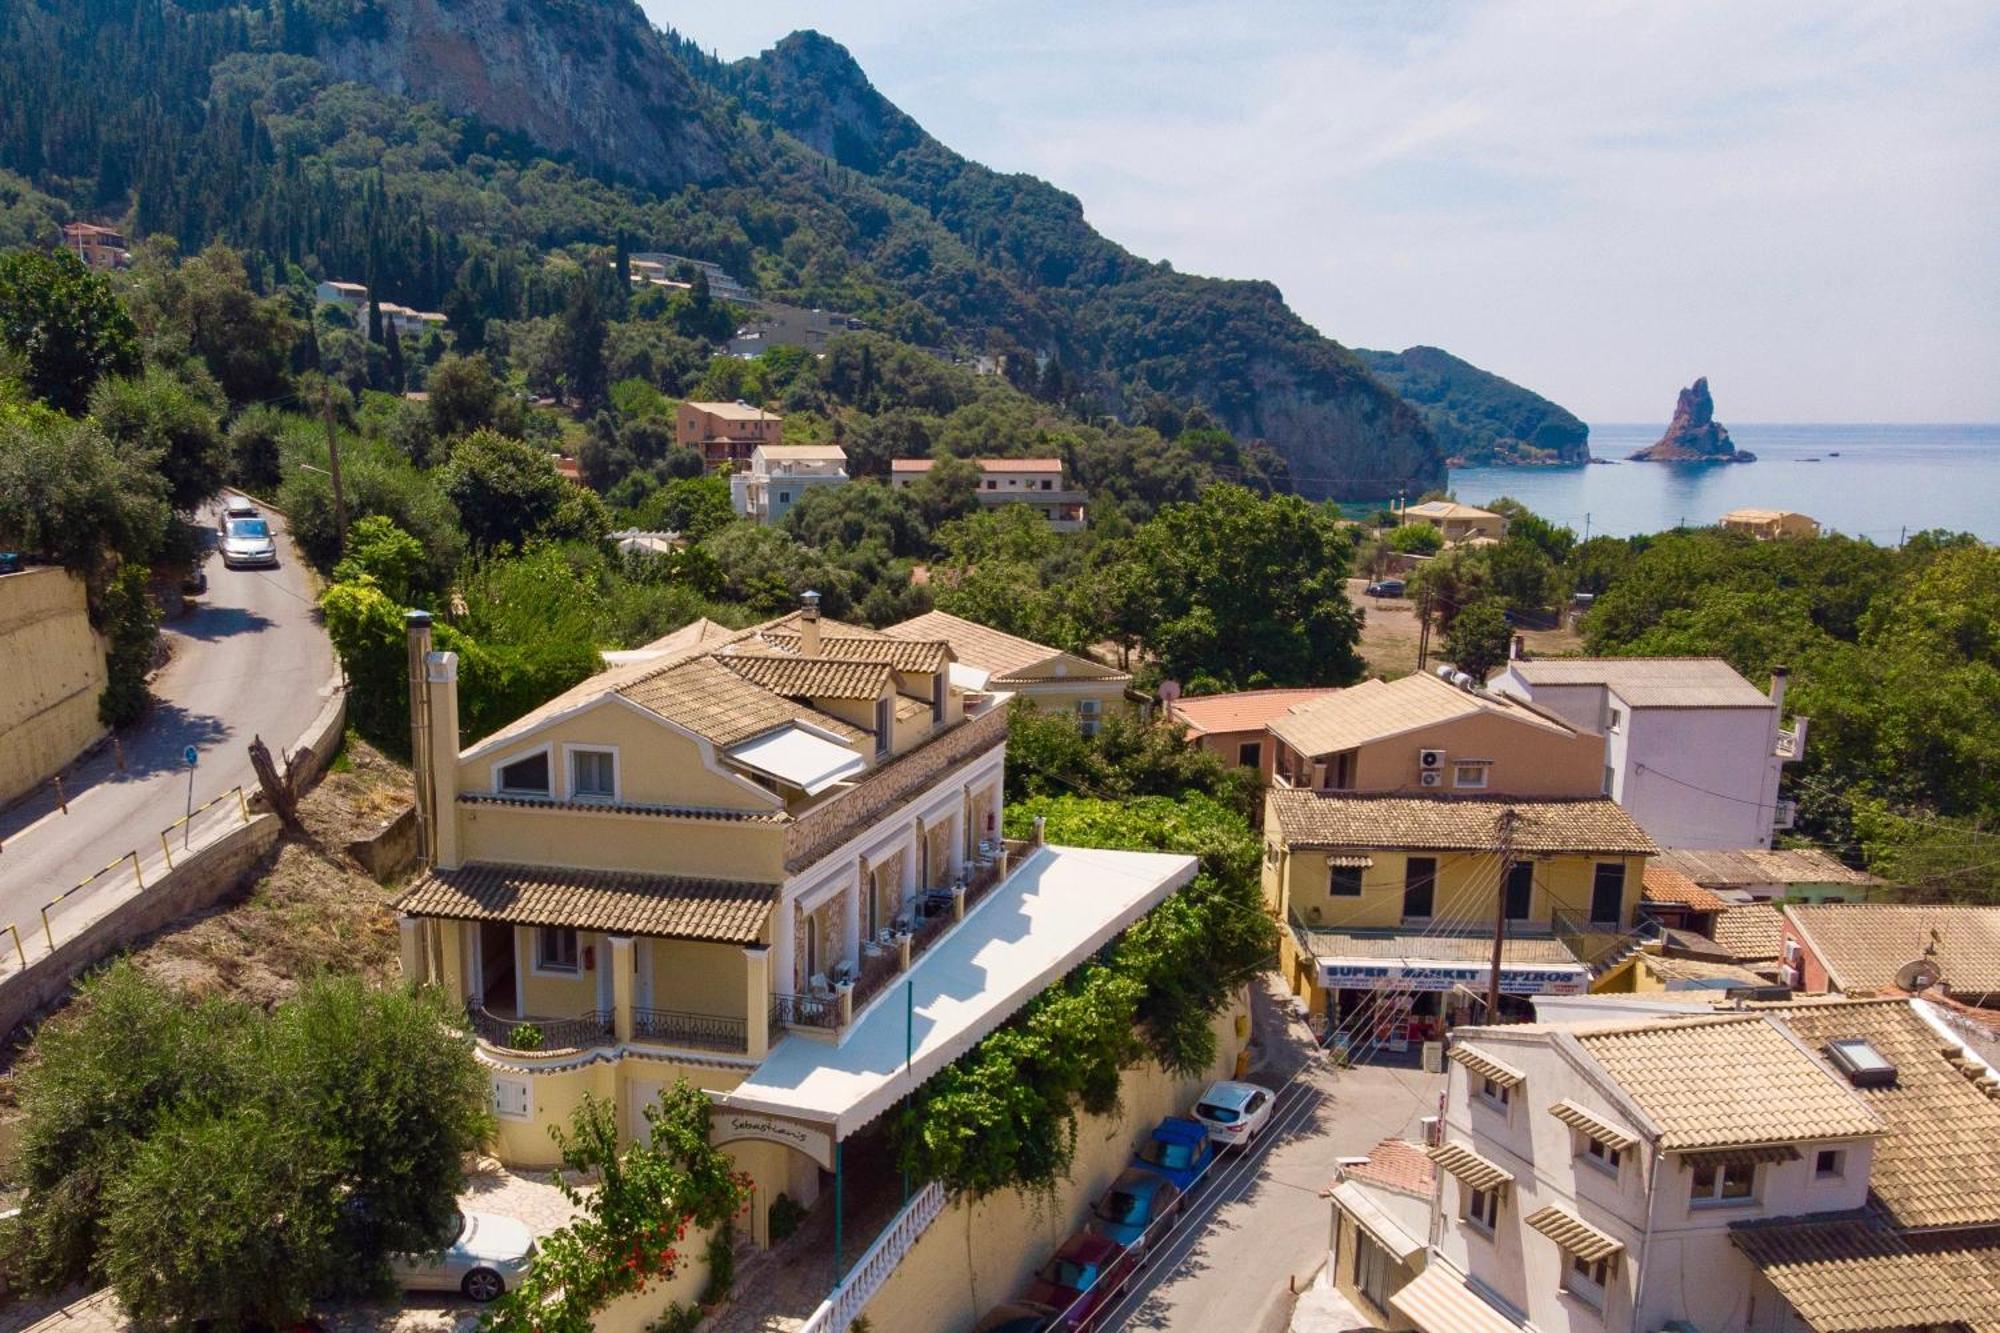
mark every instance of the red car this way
{"type": "Point", "coordinates": [1087, 1273]}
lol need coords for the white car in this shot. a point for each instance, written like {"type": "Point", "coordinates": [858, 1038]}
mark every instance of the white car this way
{"type": "Point", "coordinates": [248, 541]}
{"type": "Point", "coordinates": [1234, 1112]}
{"type": "Point", "coordinates": [488, 1255]}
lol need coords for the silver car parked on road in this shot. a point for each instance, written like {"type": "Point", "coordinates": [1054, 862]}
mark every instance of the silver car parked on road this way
{"type": "Point", "coordinates": [248, 541]}
{"type": "Point", "coordinates": [487, 1256]}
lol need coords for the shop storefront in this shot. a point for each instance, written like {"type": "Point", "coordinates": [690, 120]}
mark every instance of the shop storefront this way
{"type": "Point", "coordinates": [1393, 1004]}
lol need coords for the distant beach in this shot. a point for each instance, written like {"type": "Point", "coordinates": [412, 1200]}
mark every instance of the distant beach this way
{"type": "Point", "coordinates": [1877, 482]}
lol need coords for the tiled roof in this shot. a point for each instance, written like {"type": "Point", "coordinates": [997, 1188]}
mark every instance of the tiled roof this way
{"type": "Point", "coordinates": [1764, 865]}
{"type": "Point", "coordinates": [1751, 932]}
{"type": "Point", "coordinates": [1472, 1170]}
{"type": "Point", "coordinates": [1447, 509]}
{"type": "Point", "coordinates": [1849, 1276]}
{"type": "Point", "coordinates": [804, 453]}
{"type": "Point", "coordinates": [993, 465]}
{"type": "Point", "coordinates": [1668, 968]}
{"type": "Point", "coordinates": [1573, 1234]}
{"type": "Point", "coordinates": [1939, 1164]}
{"type": "Point", "coordinates": [1396, 1164]}
{"type": "Point", "coordinates": [1515, 950]}
{"type": "Point", "coordinates": [734, 411]}
{"type": "Point", "coordinates": [1728, 1082]}
{"type": "Point", "coordinates": [1484, 1065]}
{"type": "Point", "coordinates": [1650, 682]}
{"type": "Point", "coordinates": [666, 906]}
{"type": "Point", "coordinates": [711, 700]}
{"type": "Point", "coordinates": [1864, 944]}
{"type": "Point", "coordinates": [812, 677]}
{"type": "Point", "coordinates": [1245, 710]}
{"type": "Point", "coordinates": [1593, 1125]}
{"type": "Point", "coordinates": [929, 656]}
{"type": "Point", "coordinates": [1664, 884]}
{"type": "Point", "coordinates": [1453, 823]}
{"type": "Point", "coordinates": [999, 655]}
{"type": "Point", "coordinates": [1375, 710]}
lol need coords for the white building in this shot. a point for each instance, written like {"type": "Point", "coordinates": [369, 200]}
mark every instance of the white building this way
{"type": "Point", "coordinates": [1692, 749]}
{"type": "Point", "coordinates": [1037, 482]}
{"type": "Point", "coordinates": [349, 296]}
{"type": "Point", "coordinates": [778, 325]}
{"type": "Point", "coordinates": [780, 475]}
{"type": "Point", "coordinates": [1829, 1166]}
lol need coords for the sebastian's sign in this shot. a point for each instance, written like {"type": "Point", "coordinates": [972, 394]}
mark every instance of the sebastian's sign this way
{"type": "Point", "coordinates": [731, 1126]}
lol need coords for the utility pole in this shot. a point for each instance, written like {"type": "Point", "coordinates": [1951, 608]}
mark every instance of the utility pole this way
{"type": "Point", "coordinates": [1586, 525]}
{"type": "Point", "coordinates": [1508, 819]}
{"type": "Point", "coordinates": [333, 471]}
{"type": "Point", "coordinates": [1423, 628]}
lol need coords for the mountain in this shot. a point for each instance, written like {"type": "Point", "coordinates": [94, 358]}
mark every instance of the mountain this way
{"type": "Point", "coordinates": [1694, 435]}
{"type": "Point", "coordinates": [1477, 416]}
{"type": "Point", "coordinates": [444, 150]}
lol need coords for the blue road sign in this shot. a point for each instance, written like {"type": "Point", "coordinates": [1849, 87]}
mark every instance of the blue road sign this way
{"type": "Point", "coordinates": [190, 754]}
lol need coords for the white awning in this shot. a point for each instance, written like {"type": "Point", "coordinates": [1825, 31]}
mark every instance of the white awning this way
{"type": "Point", "coordinates": [796, 756]}
{"type": "Point", "coordinates": [1060, 906]}
{"type": "Point", "coordinates": [1372, 1218]}
{"type": "Point", "coordinates": [967, 677]}
{"type": "Point", "coordinates": [1439, 1300]}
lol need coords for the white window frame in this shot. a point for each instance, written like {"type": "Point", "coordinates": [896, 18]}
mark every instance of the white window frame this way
{"type": "Point", "coordinates": [1586, 1279]}
{"type": "Point", "coordinates": [1460, 769]}
{"type": "Point", "coordinates": [538, 968]}
{"type": "Point", "coordinates": [501, 765]}
{"type": "Point", "coordinates": [1601, 1156]}
{"type": "Point", "coordinates": [1471, 1213]}
{"type": "Point", "coordinates": [518, 1101]}
{"type": "Point", "coordinates": [569, 773]}
{"type": "Point", "coordinates": [1713, 1198]}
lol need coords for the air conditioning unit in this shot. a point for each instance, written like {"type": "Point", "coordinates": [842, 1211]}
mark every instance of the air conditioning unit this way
{"type": "Point", "coordinates": [1794, 977]}
{"type": "Point", "coordinates": [1430, 759]}
{"type": "Point", "coordinates": [1791, 952]}
{"type": "Point", "coordinates": [1430, 778]}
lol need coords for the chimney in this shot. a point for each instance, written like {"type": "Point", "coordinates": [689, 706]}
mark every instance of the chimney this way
{"type": "Point", "coordinates": [1517, 651]}
{"type": "Point", "coordinates": [809, 623]}
{"type": "Point", "coordinates": [417, 630]}
{"type": "Point", "coordinates": [1781, 676]}
{"type": "Point", "coordinates": [441, 672]}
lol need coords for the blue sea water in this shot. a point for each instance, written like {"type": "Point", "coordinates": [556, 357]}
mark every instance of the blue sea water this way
{"type": "Point", "coordinates": [1885, 481]}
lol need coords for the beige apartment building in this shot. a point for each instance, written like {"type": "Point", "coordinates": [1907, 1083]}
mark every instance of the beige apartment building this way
{"type": "Point", "coordinates": [1770, 524]}
{"type": "Point", "coordinates": [726, 434]}
{"type": "Point", "coordinates": [1456, 522]}
{"type": "Point", "coordinates": [990, 665]}
{"type": "Point", "coordinates": [1036, 482]}
{"type": "Point", "coordinates": [767, 861]}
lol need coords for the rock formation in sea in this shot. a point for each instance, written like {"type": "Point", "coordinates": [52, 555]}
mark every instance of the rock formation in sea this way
{"type": "Point", "coordinates": [1694, 435]}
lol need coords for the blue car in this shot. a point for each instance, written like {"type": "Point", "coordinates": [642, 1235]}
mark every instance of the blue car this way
{"type": "Point", "coordinates": [1139, 1201]}
{"type": "Point", "coordinates": [1179, 1149]}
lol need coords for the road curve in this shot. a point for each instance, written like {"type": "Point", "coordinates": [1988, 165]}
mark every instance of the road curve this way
{"type": "Point", "coordinates": [250, 659]}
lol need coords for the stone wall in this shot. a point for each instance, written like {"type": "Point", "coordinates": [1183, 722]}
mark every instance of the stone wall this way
{"type": "Point", "coordinates": [196, 882]}
{"type": "Point", "coordinates": [54, 674]}
{"type": "Point", "coordinates": [390, 850]}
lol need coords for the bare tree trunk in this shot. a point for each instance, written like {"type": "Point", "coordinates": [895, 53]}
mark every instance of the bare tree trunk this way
{"type": "Point", "coordinates": [280, 791]}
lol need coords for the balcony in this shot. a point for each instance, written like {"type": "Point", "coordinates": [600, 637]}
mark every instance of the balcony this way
{"type": "Point", "coordinates": [821, 1012]}
{"type": "Point", "coordinates": [532, 1033]}
{"type": "Point", "coordinates": [701, 1032]}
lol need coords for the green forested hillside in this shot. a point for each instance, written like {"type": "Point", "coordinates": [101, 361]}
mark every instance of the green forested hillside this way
{"type": "Point", "coordinates": [439, 152]}
{"type": "Point", "coordinates": [1477, 416]}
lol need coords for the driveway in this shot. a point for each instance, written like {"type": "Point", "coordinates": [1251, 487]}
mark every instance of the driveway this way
{"type": "Point", "coordinates": [1258, 1224]}
{"type": "Point", "coordinates": [250, 659]}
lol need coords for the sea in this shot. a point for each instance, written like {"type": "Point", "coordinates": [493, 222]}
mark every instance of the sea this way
{"type": "Point", "coordinates": [1878, 482]}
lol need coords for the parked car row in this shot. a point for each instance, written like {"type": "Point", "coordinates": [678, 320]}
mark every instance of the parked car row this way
{"type": "Point", "coordinates": [1095, 1266]}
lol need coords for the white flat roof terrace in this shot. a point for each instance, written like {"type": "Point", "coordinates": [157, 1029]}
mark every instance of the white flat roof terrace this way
{"type": "Point", "coordinates": [1057, 908]}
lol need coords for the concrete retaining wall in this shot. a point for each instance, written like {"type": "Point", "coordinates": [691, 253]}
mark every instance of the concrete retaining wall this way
{"type": "Point", "coordinates": [196, 882]}
{"type": "Point", "coordinates": [390, 850]}
{"type": "Point", "coordinates": [54, 674]}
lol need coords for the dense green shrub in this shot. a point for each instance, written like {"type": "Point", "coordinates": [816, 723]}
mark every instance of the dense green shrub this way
{"type": "Point", "coordinates": [130, 622]}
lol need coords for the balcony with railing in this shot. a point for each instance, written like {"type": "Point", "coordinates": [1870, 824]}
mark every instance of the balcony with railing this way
{"type": "Point", "coordinates": [535, 1033]}
{"type": "Point", "coordinates": [696, 1031]}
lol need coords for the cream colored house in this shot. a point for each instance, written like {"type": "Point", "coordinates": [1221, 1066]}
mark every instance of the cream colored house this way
{"type": "Point", "coordinates": [53, 677]}
{"type": "Point", "coordinates": [1456, 522]}
{"type": "Point", "coordinates": [990, 664]}
{"type": "Point", "coordinates": [1770, 524]}
{"type": "Point", "coordinates": [1036, 482]}
{"type": "Point", "coordinates": [768, 861]}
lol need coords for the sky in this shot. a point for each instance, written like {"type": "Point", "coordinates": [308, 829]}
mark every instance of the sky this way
{"type": "Point", "coordinates": [1599, 201]}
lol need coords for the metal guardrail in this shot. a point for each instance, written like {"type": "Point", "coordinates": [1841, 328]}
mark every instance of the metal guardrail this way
{"type": "Point", "coordinates": [557, 1034]}
{"type": "Point", "coordinates": [805, 1011]}
{"type": "Point", "coordinates": [186, 822]}
{"type": "Point", "coordinates": [710, 1032]}
{"type": "Point", "coordinates": [48, 929]}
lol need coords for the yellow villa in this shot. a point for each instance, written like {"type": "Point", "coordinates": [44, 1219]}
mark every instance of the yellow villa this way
{"type": "Point", "coordinates": [991, 664]}
{"type": "Point", "coordinates": [768, 861]}
{"type": "Point", "coordinates": [1384, 828]}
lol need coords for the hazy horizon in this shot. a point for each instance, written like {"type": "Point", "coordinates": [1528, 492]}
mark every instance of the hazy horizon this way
{"type": "Point", "coordinates": [1542, 190]}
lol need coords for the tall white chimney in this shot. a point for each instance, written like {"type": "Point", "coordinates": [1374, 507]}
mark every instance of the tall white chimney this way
{"type": "Point", "coordinates": [417, 630]}
{"type": "Point", "coordinates": [809, 623]}
{"type": "Point", "coordinates": [1781, 676]}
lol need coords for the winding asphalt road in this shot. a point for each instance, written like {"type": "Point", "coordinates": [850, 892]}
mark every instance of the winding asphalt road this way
{"type": "Point", "coordinates": [250, 659]}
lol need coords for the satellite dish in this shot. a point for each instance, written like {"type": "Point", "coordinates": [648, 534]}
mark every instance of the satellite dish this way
{"type": "Point", "coordinates": [1920, 975]}
{"type": "Point", "coordinates": [1170, 690]}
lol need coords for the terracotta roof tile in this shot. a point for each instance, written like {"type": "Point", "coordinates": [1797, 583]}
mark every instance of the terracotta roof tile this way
{"type": "Point", "coordinates": [1664, 884]}
{"type": "Point", "coordinates": [1668, 968]}
{"type": "Point", "coordinates": [709, 699]}
{"type": "Point", "coordinates": [1245, 710]}
{"type": "Point", "coordinates": [1593, 1125]}
{"type": "Point", "coordinates": [999, 655]}
{"type": "Point", "coordinates": [1720, 869]}
{"type": "Point", "coordinates": [813, 677]}
{"type": "Point", "coordinates": [626, 904]}
{"type": "Point", "coordinates": [1752, 932]}
{"type": "Point", "coordinates": [1484, 1065]}
{"type": "Point", "coordinates": [1396, 1164]}
{"type": "Point", "coordinates": [1728, 1082]}
{"type": "Point", "coordinates": [1573, 1234]}
{"type": "Point", "coordinates": [903, 654]}
{"type": "Point", "coordinates": [1453, 823]}
{"type": "Point", "coordinates": [1472, 1170]}
{"type": "Point", "coordinates": [1864, 944]}
{"type": "Point", "coordinates": [1852, 1277]}
{"type": "Point", "coordinates": [1376, 710]}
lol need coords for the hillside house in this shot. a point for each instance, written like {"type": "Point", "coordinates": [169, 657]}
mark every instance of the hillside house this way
{"type": "Point", "coordinates": [1458, 524]}
{"type": "Point", "coordinates": [99, 247]}
{"type": "Point", "coordinates": [726, 434]}
{"type": "Point", "coordinates": [1236, 727]}
{"type": "Point", "coordinates": [781, 475]}
{"type": "Point", "coordinates": [1036, 482]}
{"type": "Point", "coordinates": [1769, 524]}
{"type": "Point", "coordinates": [990, 665]}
